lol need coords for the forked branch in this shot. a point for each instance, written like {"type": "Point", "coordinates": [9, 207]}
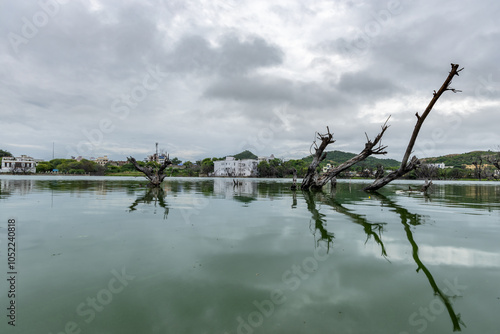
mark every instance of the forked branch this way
{"type": "Point", "coordinates": [408, 164]}
{"type": "Point", "coordinates": [312, 180]}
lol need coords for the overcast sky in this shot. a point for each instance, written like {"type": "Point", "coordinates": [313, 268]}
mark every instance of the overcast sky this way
{"type": "Point", "coordinates": [213, 78]}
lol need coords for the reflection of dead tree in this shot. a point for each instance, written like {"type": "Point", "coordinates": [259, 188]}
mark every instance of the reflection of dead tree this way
{"type": "Point", "coordinates": [319, 221]}
{"type": "Point", "coordinates": [155, 175]}
{"type": "Point", "coordinates": [408, 219]}
{"type": "Point", "coordinates": [154, 195]}
{"type": "Point", "coordinates": [372, 230]}
{"type": "Point", "coordinates": [314, 181]}
{"type": "Point", "coordinates": [407, 166]}
{"type": "Point", "coordinates": [294, 182]}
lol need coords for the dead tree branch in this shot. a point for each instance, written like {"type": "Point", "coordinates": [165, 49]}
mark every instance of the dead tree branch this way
{"type": "Point", "coordinates": [408, 164]}
{"type": "Point", "coordinates": [311, 177]}
{"type": "Point", "coordinates": [495, 161]}
{"type": "Point", "coordinates": [155, 175]}
{"type": "Point", "coordinates": [312, 180]}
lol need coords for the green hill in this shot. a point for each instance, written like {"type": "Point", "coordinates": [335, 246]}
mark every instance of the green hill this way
{"type": "Point", "coordinates": [337, 157]}
{"type": "Point", "coordinates": [459, 159]}
{"type": "Point", "coordinates": [245, 155]}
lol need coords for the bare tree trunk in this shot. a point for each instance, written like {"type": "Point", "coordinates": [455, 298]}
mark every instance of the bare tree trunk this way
{"type": "Point", "coordinates": [311, 177]}
{"type": "Point", "coordinates": [425, 187]}
{"type": "Point", "coordinates": [380, 172]}
{"type": "Point", "coordinates": [154, 175]}
{"type": "Point", "coordinates": [495, 159]}
{"type": "Point", "coordinates": [312, 180]}
{"type": "Point", "coordinates": [495, 162]}
{"type": "Point", "coordinates": [478, 164]}
{"type": "Point", "coordinates": [408, 164]}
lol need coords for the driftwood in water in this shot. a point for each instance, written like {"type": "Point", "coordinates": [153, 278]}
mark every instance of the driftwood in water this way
{"type": "Point", "coordinates": [155, 175]}
{"type": "Point", "coordinates": [408, 164]}
{"type": "Point", "coordinates": [314, 181]}
{"type": "Point", "coordinates": [425, 187]}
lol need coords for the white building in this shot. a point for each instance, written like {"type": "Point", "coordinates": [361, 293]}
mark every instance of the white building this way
{"type": "Point", "coordinates": [438, 165]}
{"type": "Point", "coordinates": [231, 167]}
{"type": "Point", "coordinates": [102, 160]}
{"type": "Point", "coordinates": [22, 164]}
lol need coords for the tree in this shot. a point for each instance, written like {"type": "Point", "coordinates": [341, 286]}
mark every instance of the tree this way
{"type": "Point", "coordinates": [314, 181]}
{"type": "Point", "coordinates": [43, 167]}
{"type": "Point", "coordinates": [112, 169]}
{"type": "Point", "coordinates": [128, 167]}
{"type": "Point", "coordinates": [207, 166]}
{"type": "Point", "coordinates": [477, 161]}
{"type": "Point", "coordinates": [191, 169]}
{"type": "Point", "coordinates": [4, 154]}
{"type": "Point", "coordinates": [426, 171]}
{"type": "Point", "coordinates": [457, 173]}
{"type": "Point", "coordinates": [495, 160]}
{"type": "Point", "coordinates": [407, 166]}
{"type": "Point", "coordinates": [155, 175]}
{"type": "Point", "coordinates": [176, 161]}
{"type": "Point", "coordinates": [263, 169]}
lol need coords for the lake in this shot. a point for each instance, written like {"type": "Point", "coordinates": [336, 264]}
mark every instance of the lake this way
{"type": "Point", "coordinates": [107, 255]}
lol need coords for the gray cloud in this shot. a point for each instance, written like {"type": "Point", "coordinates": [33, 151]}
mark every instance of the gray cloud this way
{"type": "Point", "coordinates": [224, 68]}
{"type": "Point", "coordinates": [231, 57]}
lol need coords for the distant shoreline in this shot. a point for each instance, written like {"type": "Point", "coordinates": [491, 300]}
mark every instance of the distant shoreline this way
{"type": "Point", "coordinates": [220, 177]}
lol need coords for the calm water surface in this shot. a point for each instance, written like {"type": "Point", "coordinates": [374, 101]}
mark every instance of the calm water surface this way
{"type": "Point", "coordinates": [107, 255]}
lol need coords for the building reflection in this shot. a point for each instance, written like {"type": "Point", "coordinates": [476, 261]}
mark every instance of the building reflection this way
{"type": "Point", "coordinates": [20, 187]}
{"type": "Point", "coordinates": [240, 190]}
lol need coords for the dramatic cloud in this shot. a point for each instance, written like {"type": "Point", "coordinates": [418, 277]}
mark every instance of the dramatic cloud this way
{"type": "Point", "coordinates": [213, 78]}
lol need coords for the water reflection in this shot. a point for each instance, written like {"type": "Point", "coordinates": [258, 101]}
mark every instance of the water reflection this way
{"type": "Point", "coordinates": [408, 219]}
{"type": "Point", "coordinates": [100, 216]}
{"type": "Point", "coordinates": [21, 187]}
{"type": "Point", "coordinates": [374, 230]}
{"type": "Point", "coordinates": [319, 221]}
{"type": "Point", "coordinates": [155, 196]}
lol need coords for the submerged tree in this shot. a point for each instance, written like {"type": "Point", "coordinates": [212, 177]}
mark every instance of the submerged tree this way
{"type": "Point", "coordinates": [314, 181]}
{"type": "Point", "coordinates": [407, 166]}
{"type": "Point", "coordinates": [155, 174]}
